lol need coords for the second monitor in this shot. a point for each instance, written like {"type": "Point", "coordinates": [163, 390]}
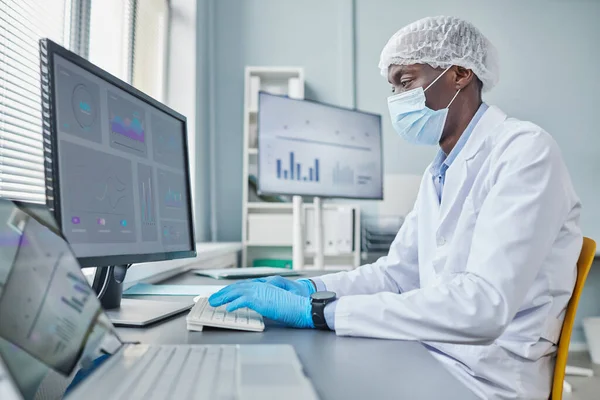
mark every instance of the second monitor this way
{"type": "Point", "coordinates": [313, 149]}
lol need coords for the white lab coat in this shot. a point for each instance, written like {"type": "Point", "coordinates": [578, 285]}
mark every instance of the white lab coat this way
{"type": "Point", "coordinates": [484, 278]}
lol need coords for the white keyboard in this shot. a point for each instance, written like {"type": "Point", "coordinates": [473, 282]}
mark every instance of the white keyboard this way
{"type": "Point", "coordinates": [243, 319]}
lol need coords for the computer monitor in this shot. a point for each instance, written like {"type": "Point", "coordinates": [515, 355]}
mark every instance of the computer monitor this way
{"type": "Point", "coordinates": [117, 168]}
{"type": "Point", "coordinates": [314, 149]}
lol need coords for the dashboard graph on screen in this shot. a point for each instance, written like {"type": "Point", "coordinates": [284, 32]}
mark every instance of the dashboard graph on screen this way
{"type": "Point", "coordinates": [167, 141]}
{"type": "Point", "coordinates": [307, 148]}
{"type": "Point", "coordinates": [84, 105]}
{"type": "Point", "coordinates": [342, 175]}
{"type": "Point", "coordinates": [296, 171]}
{"type": "Point", "coordinates": [127, 125]}
{"type": "Point", "coordinates": [110, 192]}
{"type": "Point", "coordinates": [174, 232]}
{"type": "Point", "coordinates": [80, 293]}
{"type": "Point", "coordinates": [173, 207]}
{"type": "Point", "coordinates": [147, 196]}
{"type": "Point", "coordinates": [172, 196]}
{"type": "Point", "coordinates": [78, 106]}
{"type": "Point", "coordinates": [101, 196]}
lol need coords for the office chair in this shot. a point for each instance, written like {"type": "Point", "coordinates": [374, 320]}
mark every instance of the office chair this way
{"type": "Point", "coordinates": [586, 258]}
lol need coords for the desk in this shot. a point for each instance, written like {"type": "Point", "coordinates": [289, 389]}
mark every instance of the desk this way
{"type": "Point", "coordinates": [339, 367]}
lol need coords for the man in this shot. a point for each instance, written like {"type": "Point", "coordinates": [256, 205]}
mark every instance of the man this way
{"type": "Point", "coordinates": [484, 265]}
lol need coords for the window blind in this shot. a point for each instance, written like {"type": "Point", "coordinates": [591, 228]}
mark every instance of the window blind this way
{"type": "Point", "coordinates": [128, 38]}
{"type": "Point", "coordinates": [150, 46]}
{"type": "Point", "coordinates": [22, 24]}
{"type": "Point", "coordinates": [110, 36]}
{"type": "Point", "coordinates": [125, 37]}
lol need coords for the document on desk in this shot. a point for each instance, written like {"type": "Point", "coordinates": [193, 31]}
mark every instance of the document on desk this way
{"type": "Point", "coordinates": [145, 289]}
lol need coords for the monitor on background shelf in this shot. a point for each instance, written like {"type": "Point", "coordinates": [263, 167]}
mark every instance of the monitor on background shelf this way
{"type": "Point", "coordinates": [117, 169]}
{"type": "Point", "coordinates": [313, 149]}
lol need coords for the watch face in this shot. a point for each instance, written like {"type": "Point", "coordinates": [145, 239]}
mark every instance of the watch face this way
{"type": "Point", "coordinates": [322, 295]}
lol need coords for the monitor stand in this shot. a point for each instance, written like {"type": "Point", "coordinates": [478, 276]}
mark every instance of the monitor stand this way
{"type": "Point", "coordinates": [108, 283]}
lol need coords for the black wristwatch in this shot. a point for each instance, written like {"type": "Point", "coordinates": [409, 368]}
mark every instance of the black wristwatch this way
{"type": "Point", "coordinates": [318, 301]}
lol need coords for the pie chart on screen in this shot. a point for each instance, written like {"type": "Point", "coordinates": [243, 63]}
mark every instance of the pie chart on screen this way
{"type": "Point", "coordinates": [84, 107]}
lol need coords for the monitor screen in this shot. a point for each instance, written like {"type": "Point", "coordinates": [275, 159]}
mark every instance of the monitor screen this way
{"type": "Point", "coordinates": [123, 180]}
{"type": "Point", "coordinates": [313, 149]}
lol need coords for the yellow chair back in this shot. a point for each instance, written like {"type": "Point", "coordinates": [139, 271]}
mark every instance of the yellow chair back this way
{"type": "Point", "coordinates": [586, 258]}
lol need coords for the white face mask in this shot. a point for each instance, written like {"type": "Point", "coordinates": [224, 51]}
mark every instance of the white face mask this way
{"type": "Point", "coordinates": [413, 120]}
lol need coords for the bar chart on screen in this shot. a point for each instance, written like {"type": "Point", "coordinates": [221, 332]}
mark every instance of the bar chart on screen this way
{"type": "Point", "coordinates": [342, 175]}
{"type": "Point", "coordinates": [127, 125]}
{"type": "Point", "coordinates": [173, 198]}
{"type": "Point", "coordinates": [296, 171]}
{"type": "Point", "coordinates": [147, 193]}
{"type": "Point", "coordinates": [147, 208]}
{"type": "Point", "coordinates": [174, 233]}
{"type": "Point", "coordinates": [172, 195]}
{"type": "Point", "coordinates": [79, 295]}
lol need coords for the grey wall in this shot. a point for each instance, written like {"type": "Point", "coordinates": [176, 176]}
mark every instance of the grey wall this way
{"type": "Point", "coordinates": [549, 74]}
{"type": "Point", "coordinates": [549, 57]}
{"type": "Point", "coordinates": [308, 33]}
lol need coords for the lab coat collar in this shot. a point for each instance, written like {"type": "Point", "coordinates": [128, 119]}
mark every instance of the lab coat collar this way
{"type": "Point", "coordinates": [490, 119]}
{"type": "Point", "coordinates": [465, 167]}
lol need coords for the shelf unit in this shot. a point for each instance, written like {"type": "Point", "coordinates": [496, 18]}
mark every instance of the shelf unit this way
{"type": "Point", "coordinates": [277, 80]}
{"type": "Point", "coordinates": [277, 216]}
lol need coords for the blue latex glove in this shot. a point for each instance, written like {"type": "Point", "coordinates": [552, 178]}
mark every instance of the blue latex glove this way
{"type": "Point", "coordinates": [267, 300]}
{"type": "Point", "coordinates": [301, 287]}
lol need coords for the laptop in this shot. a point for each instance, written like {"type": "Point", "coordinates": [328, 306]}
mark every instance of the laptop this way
{"type": "Point", "coordinates": [56, 341]}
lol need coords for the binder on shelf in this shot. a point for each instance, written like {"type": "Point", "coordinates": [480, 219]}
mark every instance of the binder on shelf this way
{"type": "Point", "coordinates": [338, 231]}
{"type": "Point", "coordinates": [254, 89]}
{"type": "Point", "coordinates": [253, 134]}
{"type": "Point", "coordinates": [344, 231]}
{"type": "Point", "coordinates": [295, 88]}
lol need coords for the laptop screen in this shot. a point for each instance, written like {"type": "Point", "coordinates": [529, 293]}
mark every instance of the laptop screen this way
{"type": "Point", "coordinates": [53, 328]}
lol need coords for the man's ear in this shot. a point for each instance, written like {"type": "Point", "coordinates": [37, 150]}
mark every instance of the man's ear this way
{"type": "Point", "coordinates": [463, 77]}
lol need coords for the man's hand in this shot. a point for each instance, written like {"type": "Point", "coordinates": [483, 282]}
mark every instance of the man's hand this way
{"type": "Point", "coordinates": [301, 287]}
{"type": "Point", "coordinates": [268, 300]}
